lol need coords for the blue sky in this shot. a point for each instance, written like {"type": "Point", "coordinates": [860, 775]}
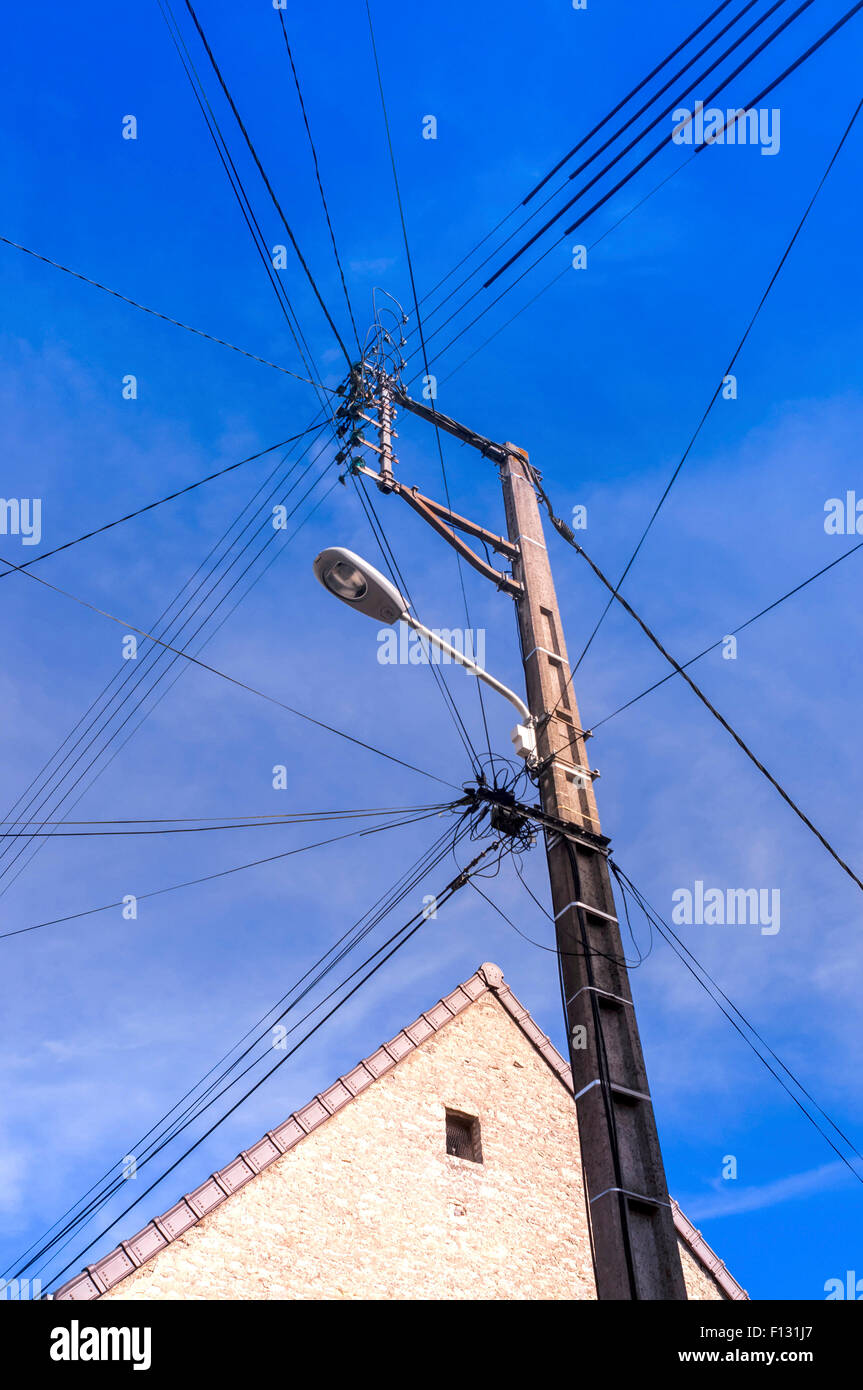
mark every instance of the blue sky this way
{"type": "Point", "coordinates": [603, 379]}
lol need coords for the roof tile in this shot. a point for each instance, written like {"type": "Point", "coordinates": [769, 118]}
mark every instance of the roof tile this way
{"type": "Point", "coordinates": [115, 1266]}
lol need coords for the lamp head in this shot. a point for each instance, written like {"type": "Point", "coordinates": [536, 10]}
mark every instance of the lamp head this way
{"type": "Point", "coordinates": [359, 584]}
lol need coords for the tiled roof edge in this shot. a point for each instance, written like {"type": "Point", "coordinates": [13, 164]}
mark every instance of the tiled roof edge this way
{"type": "Point", "coordinates": [129, 1255]}
{"type": "Point", "coordinates": [707, 1256]}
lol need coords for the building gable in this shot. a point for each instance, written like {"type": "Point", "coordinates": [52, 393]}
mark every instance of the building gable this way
{"type": "Point", "coordinates": [356, 1196]}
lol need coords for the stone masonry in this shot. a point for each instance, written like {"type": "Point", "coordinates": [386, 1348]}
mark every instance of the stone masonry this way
{"type": "Point", "coordinates": [370, 1206]}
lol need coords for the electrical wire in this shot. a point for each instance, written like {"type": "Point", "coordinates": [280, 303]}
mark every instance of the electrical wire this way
{"type": "Point", "coordinates": [413, 284]}
{"type": "Point", "coordinates": [165, 1133]}
{"type": "Point", "coordinates": [218, 823]}
{"type": "Point", "coordinates": [399, 939]}
{"type": "Point", "coordinates": [635, 90]}
{"type": "Point", "coordinates": [737, 351]}
{"type": "Point", "coordinates": [674, 941]}
{"type": "Point", "coordinates": [583, 141]}
{"type": "Point", "coordinates": [238, 188]}
{"type": "Point", "coordinates": [666, 111]}
{"type": "Point", "coordinates": [564, 530]}
{"type": "Point", "coordinates": [181, 492]}
{"type": "Point", "coordinates": [281, 15]}
{"type": "Point", "coordinates": [398, 579]}
{"type": "Point", "coordinates": [166, 318]}
{"type": "Point", "coordinates": [611, 193]}
{"type": "Point", "coordinates": [734, 632]}
{"type": "Point", "coordinates": [143, 672]}
{"type": "Point", "coordinates": [277, 205]}
{"type": "Point", "coordinates": [611, 139]}
{"type": "Point", "coordinates": [233, 680]}
{"type": "Point", "coordinates": [209, 878]}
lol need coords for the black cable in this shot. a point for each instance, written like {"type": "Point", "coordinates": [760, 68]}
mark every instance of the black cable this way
{"type": "Point", "coordinates": [398, 579]}
{"type": "Point", "coordinates": [224, 675]}
{"type": "Point", "coordinates": [422, 342]}
{"type": "Point", "coordinates": [238, 188]}
{"type": "Point", "coordinates": [737, 351]}
{"type": "Point", "coordinates": [595, 207]}
{"type": "Point", "coordinates": [666, 932]}
{"type": "Point", "coordinates": [208, 878]}
{"type": "Point", "coordinates": [750, 105]}
{"type": "Point", "coordinates": [643, 83]}
{"type": "Point", "coordinates": [733, 633]}
{"type": "Point", "coordinates": [405, 934]}
{"type": "Point", "coordinates": [551, 196]}
{"type": "Point", "coordinates": [199, 332]}
{"type": "Point", "coordinates": [564, 530]}
{"type": "Point", "coordinates": [584, 140]}
{"type": "Point", "coordinates": [566, 271]}
{"type": "Point", "coordinates": [277, 817]}
{"type": "Point", "coordinates": [162, 616]}
{"type": "Point", "coordinates": [281, 14]}
{"type": "Point", "coordinates": [385, 904]}
{"type": "Point", "coordinates": [749, 58]}
{"type": "Point", "coordinates": [130, 516]}
{"type": "Point", "coordinates": [277, 205]}
{"type": "Point", "coordinates": [223, 823]}
{"type": "Point", "coordinates": [210, 636]}
{"type": "Point", "coordinates": [143, 672]}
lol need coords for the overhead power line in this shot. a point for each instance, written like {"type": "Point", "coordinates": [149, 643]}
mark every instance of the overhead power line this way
{"type": "Point", "coordinates": [595, 155]}
{"type": "Point", "coordinates": [733, 633]}
{"type": "Point", "coordinates": [221, 873]}
{"type": "Point", "coordinates": [166, 1130]}
{"type": "Point", "coordinates": [338, 259]}
{"type": "Point", "coordinates": [625, 101]}
{"type": "Point", "coordinates": [166, 318]}
{"type": "Point", "coordinates": [709, 985]}
{"type": "Point", "coordinates": [191, 826]}
{"type": "Point", "coordinates": [399, 939]}
{"type": "Point", "coordinates": [567, 270]}
{"type": "Point", "coordinates": [626, 179]}
{"type": "Point", "coordinates": [238, 188]}
{"type": "Point", "coordinates": [713, 399]}
{"type": "Point", "coordinates": [277, 205]}
{"type": "Point", "coordinates": [596, 128]}
{"type": "Point", "coordinates": [391, 563]}
{"type": "Point", "coordinates": [564, 530]}
{"type": "Point", "coordinates": [232, 680]}
{"type": "Point", "coordinates": [181, 492]}
{"type": "Point", "coordinates": [585, 187]}
{"type": "Point", "coordinates": [416, 303]}
{"type": "Point", "coordinates": [145, 668]}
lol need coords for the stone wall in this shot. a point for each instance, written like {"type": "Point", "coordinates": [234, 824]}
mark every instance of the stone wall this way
{"type": "Point", "coordinates": [371, 1206]}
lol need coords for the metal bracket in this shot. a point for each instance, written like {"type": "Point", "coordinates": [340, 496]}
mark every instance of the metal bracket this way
{"type": "Point", "coordinates": [434, 512]}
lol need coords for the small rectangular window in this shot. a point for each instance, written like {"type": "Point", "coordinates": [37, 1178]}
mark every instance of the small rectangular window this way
{"type": "Point", "coordinates": [462, 1136]}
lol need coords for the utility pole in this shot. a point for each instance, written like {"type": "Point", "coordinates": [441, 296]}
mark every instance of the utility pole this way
{"type": "Point", "coordinates": [633, 1238]}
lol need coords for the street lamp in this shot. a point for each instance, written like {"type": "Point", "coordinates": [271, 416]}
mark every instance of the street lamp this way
{"type": "Point", "coordinates": [357, 583]}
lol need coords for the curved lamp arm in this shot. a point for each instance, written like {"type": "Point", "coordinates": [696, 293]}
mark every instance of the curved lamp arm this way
{"type": "Point", "coordinates": [470, 666]}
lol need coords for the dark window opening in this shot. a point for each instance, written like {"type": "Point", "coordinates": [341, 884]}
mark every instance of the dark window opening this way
{"type": "Point", "coordinates": [462, 1136]}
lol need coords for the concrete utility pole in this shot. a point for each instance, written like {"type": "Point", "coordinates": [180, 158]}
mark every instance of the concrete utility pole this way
{"type": "Point", "coordinates": [633, 1237]}
{"type": "Point", "coordinates": [634, 1240]}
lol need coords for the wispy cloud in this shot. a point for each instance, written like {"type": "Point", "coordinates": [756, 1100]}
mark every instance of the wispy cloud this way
{"type": "Point", "coordinates": [732, 1201]}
